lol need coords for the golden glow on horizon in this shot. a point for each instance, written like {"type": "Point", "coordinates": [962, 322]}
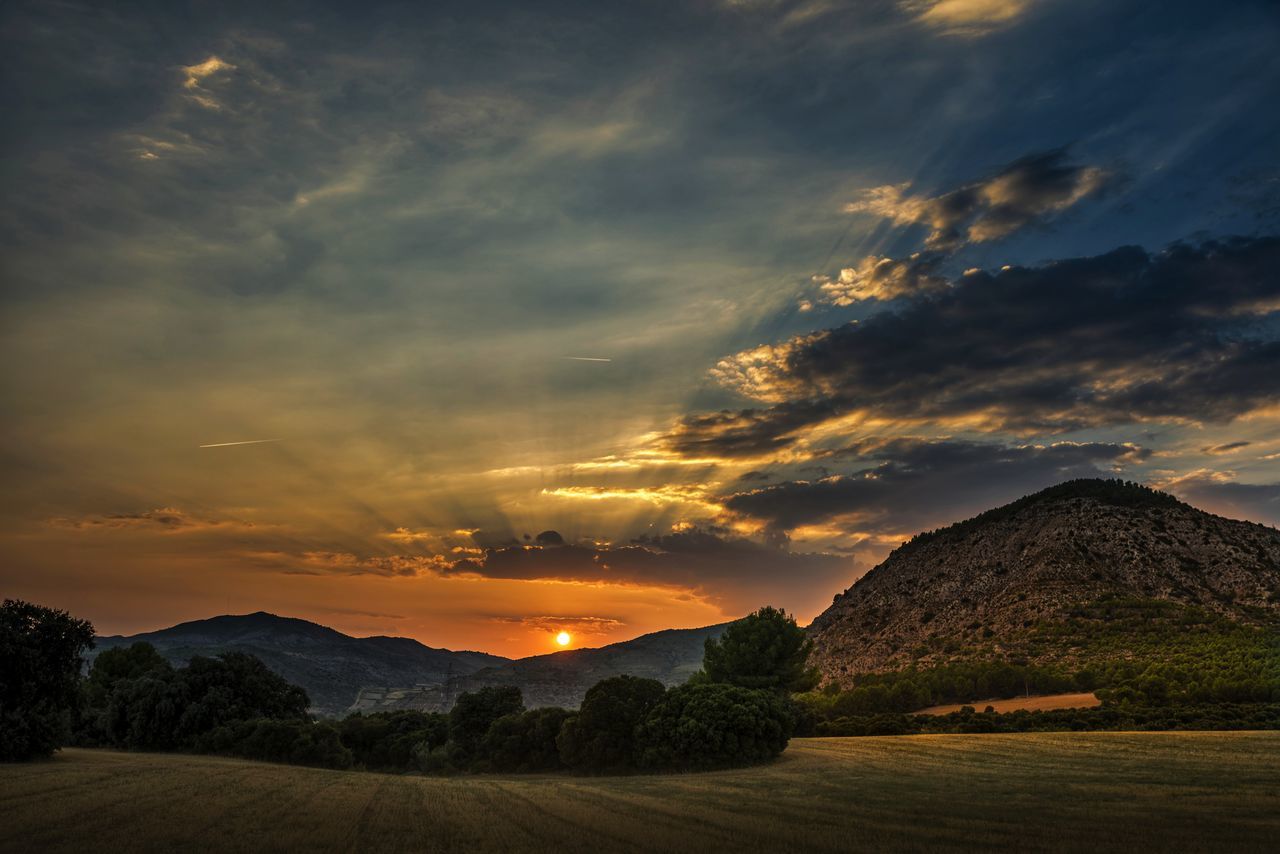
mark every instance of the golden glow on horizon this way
{"type": "Point", "coordinates": [563, 639]}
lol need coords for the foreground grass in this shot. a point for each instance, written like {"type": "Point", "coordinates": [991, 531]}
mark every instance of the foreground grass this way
{"type": "Point", "coordinates": [1060, 791]}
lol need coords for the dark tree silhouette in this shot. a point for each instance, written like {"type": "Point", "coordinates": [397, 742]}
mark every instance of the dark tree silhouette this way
{"type": "Point", "coordinates": [765, 650]}
{"type": "Point", "coordinates": [40, 661]}
{"type": "Point", "coordinates": [602, 736]}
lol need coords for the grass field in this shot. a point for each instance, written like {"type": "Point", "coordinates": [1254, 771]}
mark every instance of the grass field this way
{"type": "Point", "coordinates": [1086, 700]}
{"type": "Point", "coordinates": [1079, 791]}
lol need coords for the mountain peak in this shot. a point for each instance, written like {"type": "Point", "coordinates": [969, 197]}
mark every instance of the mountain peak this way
{"type": "Point", "coordinates": [983, 583]}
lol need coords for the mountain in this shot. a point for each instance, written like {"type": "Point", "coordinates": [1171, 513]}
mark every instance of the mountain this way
{"type": "Point", "coordinates": [342, 673]}
{"type": "Point", "coordinates": [331, 666]}
{"type": "Point", "coordinates": [562, 678]}
{"type": "Point", "coordinates": [1085, 568]}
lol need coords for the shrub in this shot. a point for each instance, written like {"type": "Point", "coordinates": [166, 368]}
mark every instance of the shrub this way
{"type": "Point", "coordinates": [601, 737]}
{"type": "Point", "coordinates": [697, 727]}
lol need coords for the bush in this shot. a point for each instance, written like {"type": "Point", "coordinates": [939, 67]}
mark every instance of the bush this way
{"type": "Point", "coordinates": [40, 662]}
{"type": "Point", "coordinates": [602, 736]}
{"type": "Point", "coordinates": [697, 727]}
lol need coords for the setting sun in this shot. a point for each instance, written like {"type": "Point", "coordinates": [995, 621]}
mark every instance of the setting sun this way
{"type": "Point", "coordinates": [563, 638]}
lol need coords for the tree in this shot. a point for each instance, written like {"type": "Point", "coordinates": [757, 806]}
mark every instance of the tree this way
{"type": "Point", "coordinates": [40, 661]}
{"type": "Point", "coordinates": [236, 686]}
{"type": "Point", "coordinates": [122, 662]}
{"type": "Point", "coordinates": [475, 712]}
{"type": "Point", "coordinates": [704, 726]}
{"type": "Point", "coordinates": [525, 742]}
{"type": "Point", "coordinates": [765, 650]}
{"type": "Point", "coordinates": [602, 736]}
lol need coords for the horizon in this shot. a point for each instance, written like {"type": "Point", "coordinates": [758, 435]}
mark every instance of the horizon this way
{"type": "Point", "coordinates": [477, 326]}
{"type": "Point", "coordinates": [574, 645]}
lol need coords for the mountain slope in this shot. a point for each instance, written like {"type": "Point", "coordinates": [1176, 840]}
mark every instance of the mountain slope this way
{"type": "Point", "coordinates": [1031, 580]}
{"type": "Point", "coordinates": [562, 678]}
{"type": "Point", "coordinates": [331, 666]}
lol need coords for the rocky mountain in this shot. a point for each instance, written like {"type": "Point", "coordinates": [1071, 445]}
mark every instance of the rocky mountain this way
{"type": "Point", "coordinates": [331, 666]}
{"type": "Point", "coordinates": [562, 678]}
{"type": "Point", "coordinates": [1023, 581]}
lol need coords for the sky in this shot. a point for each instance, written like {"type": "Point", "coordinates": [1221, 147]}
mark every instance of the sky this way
{"type": "Point", "coordinates": [475, 322]}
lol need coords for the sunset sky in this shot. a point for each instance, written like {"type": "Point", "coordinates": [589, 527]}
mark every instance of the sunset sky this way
{"type": "Point", "coordinates": [612, 317]}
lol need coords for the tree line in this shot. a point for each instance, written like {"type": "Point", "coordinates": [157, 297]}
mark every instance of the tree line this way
{"type": "Point", "coordinates": [737, 710]}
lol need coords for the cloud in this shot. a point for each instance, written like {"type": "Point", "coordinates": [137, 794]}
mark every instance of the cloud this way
{"type": "Point", "coordinates": [1027, 192]}
{"type": "Point", "coordinates": [918, 484]}
{"type": "Point", "coordinates": [344, 563]}
{"type": "Point", "coordinates": [197, 74]}
{"type": "Point", "coordinates": [883, 278]}
{"type": "Point", "coordinates": [1185, 335]}
{"type": "Point", "coordinates": [732, 572]}
{"type": "Point", "coordinates": [1218, 493]}
{"type": "Point", "coordinates": [966, 17]}
{"type": "Point", "coordinates": [165, 520]}
{"type": "Point", "coordinates": [736, 573]}
{"type": "Point", "coordinates": [577, 626]}
{"type": "Point", "coordinates": [1224, 448]}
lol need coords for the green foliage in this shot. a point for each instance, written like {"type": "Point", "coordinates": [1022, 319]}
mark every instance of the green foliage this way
{"type": "Point", "coordinates": [765, 650]}
{"type": "Point", "coordinates": [1130, 651]}
{"type": "Point", "coordinates": [296, 742]}
{"type": "Point", "coordinates": [704, 726]}
{"type": "Point", "coordinates": [602, 736]}
{"type": "Point", "coordinates": [137, 701]}
{"type": "Point", "coordinates": [1113, 718]}
{"type": "Point", "coordinates": [525, 742]}
{"type": "Point", "coordinates": [40, 660]}
{"type": "Point", "coordinates": [388, 741]}
{"type": "Point", "coordinates": [123, 662]}
{"type": "Point", "coordinates": [475, 711]}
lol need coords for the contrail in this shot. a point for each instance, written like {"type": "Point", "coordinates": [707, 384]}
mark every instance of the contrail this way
{"type": "Point", "coordinates": [586, 359]}
{"type": "Point", "coordinates": [246, 442]}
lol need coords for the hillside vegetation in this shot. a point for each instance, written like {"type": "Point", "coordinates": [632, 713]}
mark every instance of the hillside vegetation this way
{"type": "Point", "coordinates": [1132, 791]}
{"type": "Point", "coordinates": [1098, 583]}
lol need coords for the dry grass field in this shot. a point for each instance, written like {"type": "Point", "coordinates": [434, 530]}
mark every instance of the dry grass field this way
{"type": "Point", "coordinates": [1082, 791]}
{"type": "Point", "coordinates": [1086, 700]}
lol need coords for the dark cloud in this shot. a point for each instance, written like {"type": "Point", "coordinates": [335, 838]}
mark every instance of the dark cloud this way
{"type": "Point", "coordinates": [737, 573]}
{"type": "Point", "coordinates": [161, 520]}
{"type": "Point", "coordinates": [1224, 448]}
{"type": "Point", "coordinates": [1028, 191]}
{"type": "Point", "coordinates": [1186, 334]}
{"type": "Point", "coordinates": [549, 538]}
{"type": "Point", "coordinates": [1257, 502]}
{"type": "Point", "coordinates": [920, 484]}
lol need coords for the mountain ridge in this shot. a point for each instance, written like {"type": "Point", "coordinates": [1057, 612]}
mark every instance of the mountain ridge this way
{"type": "Point", "coordinates": [344, 673]}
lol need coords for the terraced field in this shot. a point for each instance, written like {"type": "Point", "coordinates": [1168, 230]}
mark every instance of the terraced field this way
{"type": "Point", "coordinates": [1043, 792]}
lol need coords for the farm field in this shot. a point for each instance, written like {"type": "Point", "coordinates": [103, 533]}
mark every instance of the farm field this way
{"type": "Point", "coordinates": [1086, 700]}
{"type": "Point", "coordinates": [1029, 792]}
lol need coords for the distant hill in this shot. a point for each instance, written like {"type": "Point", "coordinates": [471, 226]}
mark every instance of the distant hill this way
{"type": "Point", "coordinates": [342, 673]}
{"type": "Point", "coordinates": [331, 666]}
{"type": "Point", "coordinates": [1085, 569]}
{"type": "Point", "coordinates": [562, 678]}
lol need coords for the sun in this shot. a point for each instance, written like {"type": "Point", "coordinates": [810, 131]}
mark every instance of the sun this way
{"type": "Point", "coordinates": [563, 638]}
